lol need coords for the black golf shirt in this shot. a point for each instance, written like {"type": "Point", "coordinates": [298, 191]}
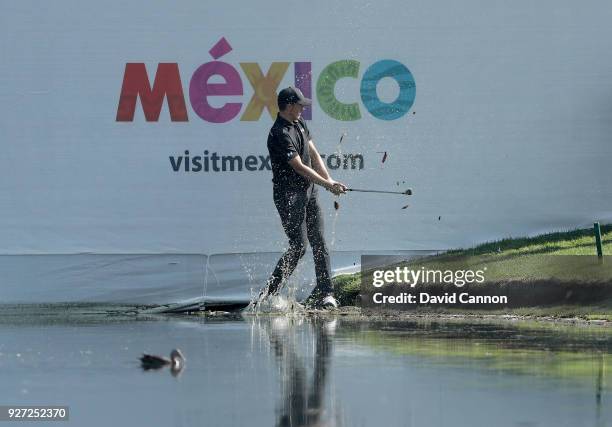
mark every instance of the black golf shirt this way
{"type": "Point", "coordinates": [287, 140]}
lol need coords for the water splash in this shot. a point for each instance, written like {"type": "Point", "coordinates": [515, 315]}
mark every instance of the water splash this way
{"type": "Point", "coordinates": [338, 150]}
{"type": "Point", "coordinates": [284, 302]}
{"type": "Point", "coordinates": [275, 304]}
{"type": "Point", "coordinates": [333, 230]}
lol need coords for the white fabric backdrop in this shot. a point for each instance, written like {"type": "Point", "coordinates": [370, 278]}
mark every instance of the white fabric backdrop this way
{"type": "Point", "coordinates": [509, 133]}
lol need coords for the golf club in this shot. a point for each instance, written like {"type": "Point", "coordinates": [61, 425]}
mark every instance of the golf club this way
{"type": "Point", "coordinates": [405, 193]}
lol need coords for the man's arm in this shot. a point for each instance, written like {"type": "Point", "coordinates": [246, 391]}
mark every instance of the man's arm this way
{"type": "Point", "coordinates": [319, 166]}
{"type": "Point", "coordinates": [317, 161]}
{"type": "Point", "coordinates": [314, 176]}
{"type": "Point", "coordinates": [309, 173]}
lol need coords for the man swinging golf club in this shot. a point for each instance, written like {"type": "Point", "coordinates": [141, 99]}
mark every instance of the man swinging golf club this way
{"type": "Point", "coordinates": [296, 168]}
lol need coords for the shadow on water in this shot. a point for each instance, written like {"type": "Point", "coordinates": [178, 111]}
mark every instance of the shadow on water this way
{"type": "Point", "coordinates": [306, 370]}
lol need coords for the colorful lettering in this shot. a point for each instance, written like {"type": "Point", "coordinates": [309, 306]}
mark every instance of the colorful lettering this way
{"type": "Point", "coordinates": [403, 77]}
{"type": "Point", "coordinates": [167, 85]}
{"type": "Point", "coordinates": [200, 89]}
{"type": "Point", "coordinates": [326, 86]}
{"type": "Point", "coordinates": [265, 88]}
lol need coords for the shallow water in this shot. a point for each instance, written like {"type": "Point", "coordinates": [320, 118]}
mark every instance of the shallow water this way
{"type": "Point", "coordinates": [275, 370]}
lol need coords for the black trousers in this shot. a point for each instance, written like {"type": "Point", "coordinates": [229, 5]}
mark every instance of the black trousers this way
{"type": "Point", "coordinates": [302, 221]}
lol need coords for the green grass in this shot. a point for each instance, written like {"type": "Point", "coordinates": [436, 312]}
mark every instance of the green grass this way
{"type": "Point", "coordinates": [573, 242]}
{"type": "Point", "coordinates": [347, 288]}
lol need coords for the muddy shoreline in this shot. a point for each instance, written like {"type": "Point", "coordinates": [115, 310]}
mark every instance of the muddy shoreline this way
{"type": "Point", "coordinates": [85, 313]}
{"type": "Point", "coordinates": [359, 314]}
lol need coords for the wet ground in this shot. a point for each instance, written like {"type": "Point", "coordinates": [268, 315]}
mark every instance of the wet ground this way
{"type": "Point", "coordinates": [305, 370]}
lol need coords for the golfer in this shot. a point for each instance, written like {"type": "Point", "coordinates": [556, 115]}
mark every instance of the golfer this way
{"type": "Point", "coordinates": [296, 168]}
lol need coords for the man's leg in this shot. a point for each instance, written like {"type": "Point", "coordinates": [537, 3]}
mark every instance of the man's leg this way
{"type": "Point", "coordinates": [314, 226]}
{"type": "Point", "coordinates": [292, 210]}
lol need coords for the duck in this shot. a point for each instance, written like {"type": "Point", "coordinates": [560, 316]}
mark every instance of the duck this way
{"type": "Point", "coordinates": [151, 361]}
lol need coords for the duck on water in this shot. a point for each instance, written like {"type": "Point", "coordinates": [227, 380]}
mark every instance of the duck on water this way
{"type": "Point", "coordinates": [154, 362]}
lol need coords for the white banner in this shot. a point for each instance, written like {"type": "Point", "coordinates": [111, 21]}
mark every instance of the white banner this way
{"type": "Point", "coordinates": [141, 128]}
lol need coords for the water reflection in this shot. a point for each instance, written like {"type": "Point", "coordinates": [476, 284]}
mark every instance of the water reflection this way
{"type": "Point", "coordinates": [303, 385]}
{"type": "Point", "coordinates": [489, 363]}
{"type": "Point", "coordinates": [599, 388]}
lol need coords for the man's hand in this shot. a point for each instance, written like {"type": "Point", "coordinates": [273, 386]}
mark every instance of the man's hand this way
{"type": "Point", "coordinates": [336, 187]}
